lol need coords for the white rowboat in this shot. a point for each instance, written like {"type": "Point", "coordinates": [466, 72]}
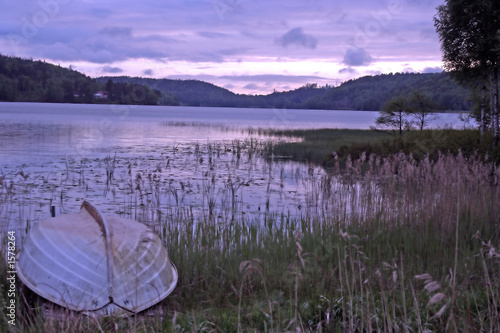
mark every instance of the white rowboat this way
{"type": "Point", "coordinates": [98, 264]}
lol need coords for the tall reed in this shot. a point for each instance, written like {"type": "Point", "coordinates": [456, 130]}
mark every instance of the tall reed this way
{"type": "Point", "coordinates": [386, 244]}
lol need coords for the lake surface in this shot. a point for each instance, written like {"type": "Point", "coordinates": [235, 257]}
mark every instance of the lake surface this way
{"type": "Point", "coordinates": [34, 129]}
{"type": "Point", "coordinates": [145, 162]}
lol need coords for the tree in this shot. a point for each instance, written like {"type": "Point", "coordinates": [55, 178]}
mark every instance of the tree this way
{"type": "Point", "coordinates": [481, 107]}
{"type": "Point", "coordinates": [54, 94]}
{"type": "Point", "coordinates": [68, 88]}
{"type": "Point", "coordinates": [422, 108]}
{"type": "Point", "coordinates": [109, 86]}
{"type": "Point", "coordinates": [468, 31]}
{"type": "Point", "coordinates": [394, 115]}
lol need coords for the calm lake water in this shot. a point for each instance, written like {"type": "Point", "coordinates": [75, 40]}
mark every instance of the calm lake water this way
{"type": "Point", "coordinates": [29, 130]}
{"type": "Point", "coordinates": [141, 161]}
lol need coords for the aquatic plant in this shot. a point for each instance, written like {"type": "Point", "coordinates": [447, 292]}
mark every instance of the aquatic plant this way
{"type": "Point", "coordinates": [378, 243]}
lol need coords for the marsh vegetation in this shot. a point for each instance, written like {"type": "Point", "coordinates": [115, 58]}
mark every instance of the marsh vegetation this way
{"type": "Point", "coordinates": [372, 243]}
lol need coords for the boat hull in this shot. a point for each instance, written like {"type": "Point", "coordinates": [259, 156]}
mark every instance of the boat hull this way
{"type": "Point", "coordinates": [93, 263]}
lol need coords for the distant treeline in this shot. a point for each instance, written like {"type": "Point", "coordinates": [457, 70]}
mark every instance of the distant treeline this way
{"type": "Point", "coordinates": [25, 80]}
{"type": "Point", "coordinates": [367, 93]}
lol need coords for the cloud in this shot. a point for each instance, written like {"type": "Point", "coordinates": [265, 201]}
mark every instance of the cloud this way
{"type": "Point", "coordinates": [252, 86]}
{"type": "Point", "coordinates": [408, 69]}
{"type": "Point", "coordinates": [101, 13]}
{"type": "Point", "coordinates": [348, 70]}
{"type": "Point", "coordinates": [100, 50]}
{"type": "Point", "coordinates": [227, 37]}
{"type": "Point", "coordinates": [429, 34]}
{"type": "Point", "coordinates": [223, 7]}
{"type": "Point", "coordinates": [112, 70]}
{"type": "Point", "coordinates": [148, 72]}
{"type": "Point", "coordinates": [270, 78]}
{"type": "Point", "coordinates": [264, 83]}
{"type": "Point", "coordinates": [373, 72]}
{"type": "Point", "coordinates": [196, 57]}
{"type": "Point", "coordinates": [432, 70]}
{"type": "Point", "coordinates": [297, 37]}
{"type": "Point", "coordinates": [212, 35]}
{"type": "Point", "coordinates": [262, 78]}
{"type": "Point", "coordinates": [116, 31]}
{"type": "Point", "coordinates": [357, 57]}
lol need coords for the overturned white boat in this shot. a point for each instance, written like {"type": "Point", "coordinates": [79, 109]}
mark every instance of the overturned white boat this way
{"type": "Point", "coordinates": [92, 263]}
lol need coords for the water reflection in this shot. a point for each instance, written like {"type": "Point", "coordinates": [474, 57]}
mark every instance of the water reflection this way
{"type": "Point", "coordinates": [151, 163]}
{"type": "Point", "coordinates": [34, 130]}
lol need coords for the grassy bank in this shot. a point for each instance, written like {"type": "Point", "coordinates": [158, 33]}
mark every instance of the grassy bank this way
{"type": "Point", "coordinates": [417, 253]}
{"type": "Point", "coordinates": [398, 244]}
{"type": "Point", "coordinates": [316, 146]}
{"type": "Point", "coordinates": [320, 146]}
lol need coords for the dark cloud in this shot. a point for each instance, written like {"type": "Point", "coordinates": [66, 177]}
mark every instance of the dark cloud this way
{"type": "Point", "coordinates": [348, 70]}
{"type": "Point", "coordinates": [202, 56]}
{"type": "Point", "coordinates": [116, 31]}
{"type": "Point", "coordinates": [66, 52]}
{"type": "Point", "coordinates": [156, 38]}
{"type": "Point", "coordinates": [432, 70]}
{"type": "Point", "coordinates": [264, 78]}
{"type": "Point", "coordinates": [224, 7]}
{"type": "Point", "coordinates": [227, 37]}
{"type": "Point", "coordinates": [112, 70]}
{"type": "Point", "coordinates": [212, 35]}
{"type": "Point", "coordinates": [148, 72]}
{"type": "Point", "coordinates": [273, 78]}
{"type": "Point", "coordinates": [101, 13]}
{"type": "Point", "coordinates": [357, 57]}
{"type": "Point", "coordinates": [252, 86]}
{"type": "Point", "coordinates": [235, 51]}
{"type": "Point", "coordinates": [99, 50]}
{"type": "Point", "coordinates": [296, 36]}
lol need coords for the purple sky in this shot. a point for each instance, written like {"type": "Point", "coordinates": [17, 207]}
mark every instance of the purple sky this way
{"type": "Point", "coordinates": [247, 46]}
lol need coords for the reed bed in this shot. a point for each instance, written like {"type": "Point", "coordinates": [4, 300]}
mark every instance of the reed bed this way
{"type": "Point", "coordinates": [382, 244]}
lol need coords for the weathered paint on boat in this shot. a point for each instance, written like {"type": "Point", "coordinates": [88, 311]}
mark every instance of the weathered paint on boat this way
{"type": "Point", "coordinates": [97, 264]}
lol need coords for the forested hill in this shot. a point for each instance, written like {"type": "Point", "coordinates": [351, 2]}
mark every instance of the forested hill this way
{"type": "Point", "coordinates": [37, 81]}
{"type": "Point", "coordinates": [199, 93]}
{"type": "Point", "coordinates": [25, 80]}
{"type": "Point", "coordinates": [371, 92]}
{"type": "Point", "coordinates": [366, 93]}
{"type": "Point", "coordinates": [187, 92]}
